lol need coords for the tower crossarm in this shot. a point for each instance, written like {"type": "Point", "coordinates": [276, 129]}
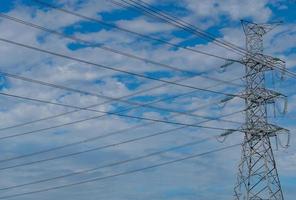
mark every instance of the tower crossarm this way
{"type": "Point", "coordinates": [262, 95]}
{"type": "Point", "coordinates": [265, 62]}
{"type": "Point", "coordinates": [263, 129]}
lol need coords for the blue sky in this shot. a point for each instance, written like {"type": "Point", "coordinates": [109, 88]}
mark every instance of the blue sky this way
{"type": "Point", "coordinates": [209, 177]}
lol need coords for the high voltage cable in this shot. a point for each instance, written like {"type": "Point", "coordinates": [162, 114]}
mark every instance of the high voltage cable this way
{"type": "Point", "coordinates": [96, 94]}
{"type": "Point", "coordinates": [109, 68]}
{"type": "Point", "coordinates": [96, 20]}
{"type": "Point", "coordinates": [99, 111]}
{"type": "Point", "coordinates": [156, 13]}
{"type": "Point", "coordinates": [85, 92]}
{"type": "Point", "coordinates": [91, 118]}
{"type": "Point", "coordinates": [291, 74]}
{"type": "Point", "coordinates": [111, 164]}
{"type": "Point", "coordinates": [126, 30]}
{"type": "Point", "coordinates": [95, 105]}
{"type": "Point", "coordinates": [99, 116]}
{"type": "Point", "coordinates": [9, 196]}
{"type": "Point", "coordinates": [102, 46]}
{"type": "Point", "coordinates": [98, 104]}
{"type": "Point", "coordinates": [99, 148]}
{"type": "Point", "coordinates": [112, 133]}
{"type": "Point", "coordinates": [199, 32]}
{"type": "Point", "coordinates": [108, 135]}
{"type": "Point", "coordinates": [120, 174]}
{"type": "Point", "coordinates": [82, 141]}
{"type": "Point", "coordinates": [213, 37]}
{"type": "Point", "coordinates": [177, 22]}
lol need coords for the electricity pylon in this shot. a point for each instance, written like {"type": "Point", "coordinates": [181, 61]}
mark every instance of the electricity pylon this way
{"type": "Point", "coordinates": [257, 177]}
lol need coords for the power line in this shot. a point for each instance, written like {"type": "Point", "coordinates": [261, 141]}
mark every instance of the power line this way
{"type": "Point", "coordinates": [79, 121]}
{"type": "Point", "coordinates": [175, 21]}
{"type": "Point", "coordinates": [96, 94]}
{"type": "Point", "coordinates": [109, 68]}
{"type": "Point", "coordinates": [105, 146]}
{"type": "Point", "coordinates": [96, 148]}
{"type": "Point", "coordinates": [126, 30]}
{"type": "Point", "coordinates": [116, 132]}
{"type": "Point", "coordinates": [104, 136]}
{"type": "Point", "coordinates": [120, 174]}
{"type": "Point", "coordinates": [95, 105]}
{"type": "Point", "coordinates": [98, 104]}
{"type": "Point", "coordinates": [167, 18]}
{"type": "Point", "coordinates": [102, 46]}
{"type": "Point", "coordinates": [110, 25]}
{"type": "Point", "coordinates": [156, 13]}
{"type": "Point", "coordinates": [213, 37]}
{"type": "Point", "coordinates": [99, 111]}
{"type": "Point", "coordinates": [111, 164]}
{"type": "Point", "coordinates": [74, 183]}
{"type": "Point", "coordinates": [291, 74]}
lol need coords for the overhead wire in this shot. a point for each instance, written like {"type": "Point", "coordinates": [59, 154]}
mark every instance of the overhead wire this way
{"type": "Point", "coordinates": [199, 32]}
{"type": "Point", "coordinates": [110, 68]}
{"type": "Point", "coordinates": [47, 4]}
{"type": "Point", "coordinates": [36, 81]}
{"type": "Point", "coordinates": [213, 37]}
{"type": "Point", "coordinates": [102, 46]}
{"type": "Point", "coordinates": [91, 139]}
{"type": "Point", "coordinates": [105, 102]}
{"type": "Point", "coordinates": [51, 117]}
{"type": "Point", "coordinates": [128, 172]}
{"type": "Point", "coordinates": [99, 111]}
{"type": "Point", "coordinates": [148, 9]}
{"type": "Point", "coordinates": [94, 105]}
{"type": "Point", "coordinates": [79, 121]}
{"type": "Point", "coordinates": [116, 132]}
{"type": "Point", "coordinates": [116, 163]}
{"type": "Point", "coordinates": [52, 6]}
{"type": "Point", "coordinates": [140, 138]}
{"type": "Point", "coordinates": [109, 145]}
{"type": "Point", "coordinates": [177, 22]}
{"type": "Point", "coordinates": [119, 174]}
{"type": "Point", "coordinates": [84, 41]}
{"type": "Point", "coordinates": [96, 94]}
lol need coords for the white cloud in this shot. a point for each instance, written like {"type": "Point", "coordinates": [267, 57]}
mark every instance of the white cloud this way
{"type": "Point", "coordinates": [234, 9]}
{"type": "Point", "coordinates": [143, 26]}
{"type": "Point", "coordinates": [198, 175]}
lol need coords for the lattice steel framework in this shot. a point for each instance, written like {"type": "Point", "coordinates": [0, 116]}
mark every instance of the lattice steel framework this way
{"type": "Point", "coordinates": [258, 177]}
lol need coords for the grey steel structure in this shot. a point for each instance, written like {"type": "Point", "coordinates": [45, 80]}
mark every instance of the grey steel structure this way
{"type": "Point", "coordinates": [257, 177]}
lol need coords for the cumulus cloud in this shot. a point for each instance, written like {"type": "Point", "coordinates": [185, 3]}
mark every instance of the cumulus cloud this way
{"type": "Point", "coordinates": [196, 178]}
{"type": "Point", "coordinates": [234, 9]}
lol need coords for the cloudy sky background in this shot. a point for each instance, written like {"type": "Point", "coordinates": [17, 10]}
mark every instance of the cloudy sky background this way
{"type": "Point", "coordinates": [208, 177]}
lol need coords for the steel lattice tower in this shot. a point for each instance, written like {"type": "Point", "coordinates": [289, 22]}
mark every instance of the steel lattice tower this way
{"type": "Point", "coordinates": [257, 176]}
